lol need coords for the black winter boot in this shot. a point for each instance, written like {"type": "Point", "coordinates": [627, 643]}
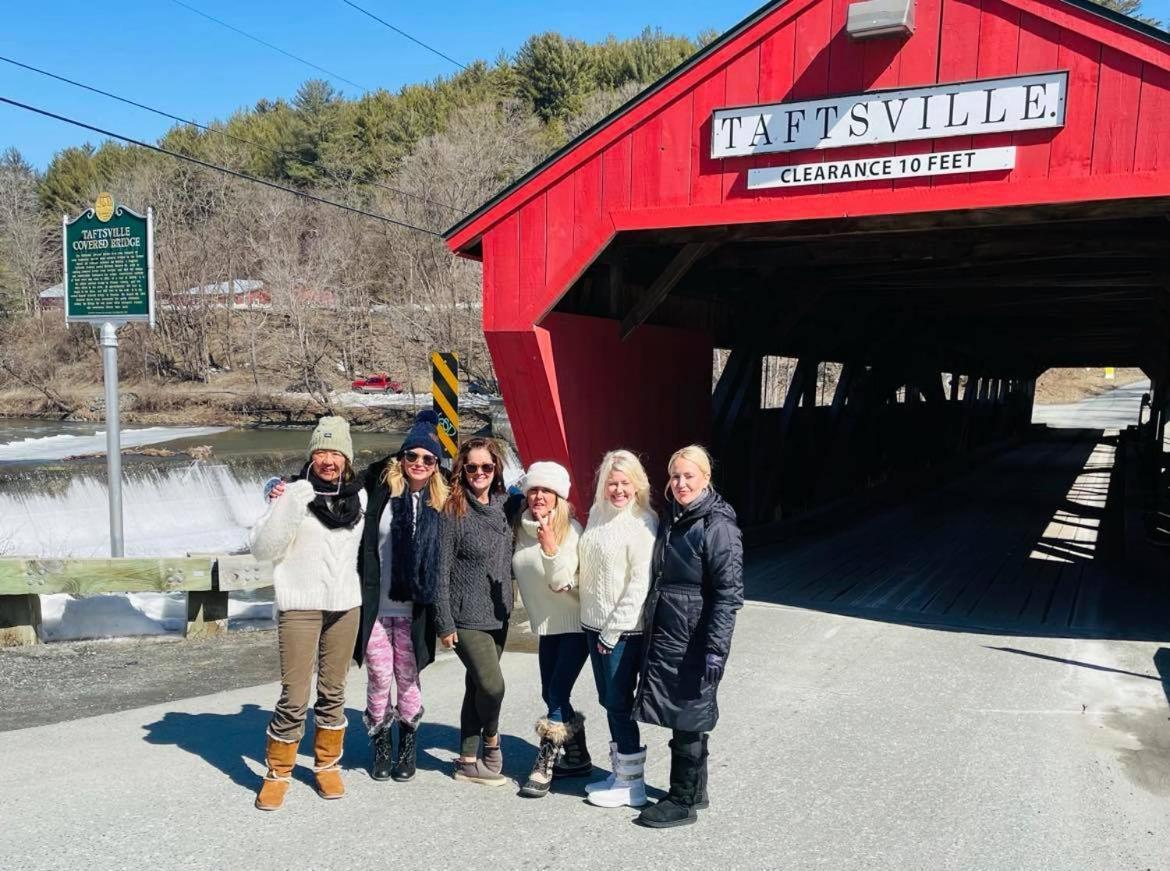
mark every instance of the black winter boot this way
{"type": "Point", "coordinates": [702, 800]}
{"type": "Point", "coordinates": [406, 757]}
{"type": "Point", "coordinates": [678, 808]}
{"type": "Point", "coordinates": [575, 761]}
{"type": "Point", "coordinates": [382, 740]}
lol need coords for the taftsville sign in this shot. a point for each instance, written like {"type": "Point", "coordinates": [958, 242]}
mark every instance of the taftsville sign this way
{"type": "Point", "coordinates": [1031, 102]}
{"type": "Point", "coordinates": [109, 259]}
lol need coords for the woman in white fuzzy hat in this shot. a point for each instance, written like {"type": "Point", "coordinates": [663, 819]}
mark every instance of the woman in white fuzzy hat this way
{"type": "Point", "coordinates": [544, 563]}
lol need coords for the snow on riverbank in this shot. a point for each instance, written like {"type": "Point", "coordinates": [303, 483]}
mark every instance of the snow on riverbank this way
{"type": "Point", "coordinates": [119, 615]}
{"type": "Point", "coordinates": [58, 447]}
{"type": "Point", "coordinates": [413, 401]}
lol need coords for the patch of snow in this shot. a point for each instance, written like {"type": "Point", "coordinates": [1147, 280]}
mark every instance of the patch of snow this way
{"type": "Point", "coordinates": [58, 447]}
{"type": "Point", "coordinates": [119, 615]}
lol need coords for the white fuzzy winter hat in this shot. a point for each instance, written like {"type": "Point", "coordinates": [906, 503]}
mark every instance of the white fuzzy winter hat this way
{"type": "Point", "coordinates": [549, 475]}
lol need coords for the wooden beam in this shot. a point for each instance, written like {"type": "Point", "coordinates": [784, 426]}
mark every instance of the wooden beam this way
{"type": "Point", "coordinates": [664, 284]}
{"type": "Point", "coordinates": [84, 576]}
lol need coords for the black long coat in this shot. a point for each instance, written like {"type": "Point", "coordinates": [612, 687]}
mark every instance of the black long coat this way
{"type": "Point", "coordinates": [422, 626]}
{"type": "Point", "coordinates": [696, 586]}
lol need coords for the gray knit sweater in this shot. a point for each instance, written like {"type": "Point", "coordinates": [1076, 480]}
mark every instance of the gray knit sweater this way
{"type": "Point", "coordinates": [475, 568]}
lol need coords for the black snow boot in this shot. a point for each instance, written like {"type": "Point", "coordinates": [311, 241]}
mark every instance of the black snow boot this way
{"type": "Point", "coordinates": [702, 801]}
{"type": "Point", "coordinates": [382, 738]}
{"type": "Point", "coordinates": [678, 808]}
{"type": "Point", "coordinates": [575, 760]}
{"type": "Point", "coordinates": [405, 759]}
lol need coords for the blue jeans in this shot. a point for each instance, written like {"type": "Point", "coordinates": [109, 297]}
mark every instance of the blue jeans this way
{"type": "Point", "coordinates": [616, 674]}
{"type": "Point", "coordinates": [561, 658]}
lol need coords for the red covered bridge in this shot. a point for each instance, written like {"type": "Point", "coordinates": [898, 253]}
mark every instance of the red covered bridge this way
{"type": "Point", "coordinates": [947, 211]}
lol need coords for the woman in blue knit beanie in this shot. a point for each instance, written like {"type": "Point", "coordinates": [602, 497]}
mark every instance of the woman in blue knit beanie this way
{"type": "Point", "coordinates": [398, 564]}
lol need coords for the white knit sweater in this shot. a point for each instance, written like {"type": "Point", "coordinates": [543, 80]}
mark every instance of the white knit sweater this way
{"type": "Point", "coordinates": [547, 583]}
{"type": "Point", "coordinates": [615, 552]}
{"type": "Point", "coordinates": [314, 568]}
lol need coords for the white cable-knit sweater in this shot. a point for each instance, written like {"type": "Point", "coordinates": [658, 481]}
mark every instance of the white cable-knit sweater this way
{"type": "Point", "coordinates": [615, 552]}
{"type": "Point", "coordinates": [314, 568]}
{"type": "Point", "coordinates": [547, 583]}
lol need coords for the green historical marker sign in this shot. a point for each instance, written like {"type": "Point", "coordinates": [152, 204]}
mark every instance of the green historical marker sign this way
{"type": "Point", "coordinates": [109, 264]}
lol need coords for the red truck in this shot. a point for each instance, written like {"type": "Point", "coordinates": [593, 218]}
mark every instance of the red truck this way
{"type": "Point", "coordinates": [379, 383]}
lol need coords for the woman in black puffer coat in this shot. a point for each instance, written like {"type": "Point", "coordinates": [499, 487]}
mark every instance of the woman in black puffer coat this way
{"type": "Point", "coordinates": [696, 586]}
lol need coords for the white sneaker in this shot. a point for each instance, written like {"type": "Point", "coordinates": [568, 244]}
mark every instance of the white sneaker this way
{"type": "Point", "coordinates": [608, 781]}
{"type": "Point", "coordinates": [629, 786]}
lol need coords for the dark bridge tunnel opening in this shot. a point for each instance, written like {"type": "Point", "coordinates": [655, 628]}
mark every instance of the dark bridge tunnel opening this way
{"type": "Point", "coordinates": [910, 346]}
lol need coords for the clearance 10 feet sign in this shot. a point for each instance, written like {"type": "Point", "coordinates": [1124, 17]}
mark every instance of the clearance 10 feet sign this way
{"type": "Point", "coordinates": [1030, 102]}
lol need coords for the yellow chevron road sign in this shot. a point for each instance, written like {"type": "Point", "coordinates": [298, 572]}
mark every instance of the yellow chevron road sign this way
{"type": "Point", "coordinates": [445, 390]}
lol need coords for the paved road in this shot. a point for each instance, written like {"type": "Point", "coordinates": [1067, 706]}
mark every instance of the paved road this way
{"type": "Point", "coordinates": [1116, 409]}
{"type": "Point", "coordinates": [844, 744]}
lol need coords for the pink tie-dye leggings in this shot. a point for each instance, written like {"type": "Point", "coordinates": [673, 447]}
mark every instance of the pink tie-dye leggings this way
{"type": "Point", "coordinates": [390, 658]}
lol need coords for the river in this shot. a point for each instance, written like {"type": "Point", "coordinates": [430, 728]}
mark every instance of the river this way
{"type": "Point", "coordinates": [54, 503]}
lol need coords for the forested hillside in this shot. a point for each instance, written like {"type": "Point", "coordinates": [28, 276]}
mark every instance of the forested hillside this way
{"type": "Point", "coordinates": [348, 293]}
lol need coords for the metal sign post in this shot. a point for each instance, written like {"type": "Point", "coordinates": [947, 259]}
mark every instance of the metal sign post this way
{"type": "Point", "coordinates": [109, 280]}
{"type": "Point", "coordinates": [113, 435]}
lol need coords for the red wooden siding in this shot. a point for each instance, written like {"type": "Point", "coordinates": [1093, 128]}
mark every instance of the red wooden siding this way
{"type": "Point", "coordinates": [651, 168]}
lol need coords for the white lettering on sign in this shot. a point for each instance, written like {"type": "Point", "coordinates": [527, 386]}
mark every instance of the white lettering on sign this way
{"type": "Point", "coordinates": [883, 168]}
{"type": "Point", "coordinates": [1031, 102]}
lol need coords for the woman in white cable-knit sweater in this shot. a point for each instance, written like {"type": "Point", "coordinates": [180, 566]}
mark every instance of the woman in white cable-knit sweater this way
{"type": "Point", "coordinates": [614, 553]}
{"type": "Point", "coordinates": [311, 535]}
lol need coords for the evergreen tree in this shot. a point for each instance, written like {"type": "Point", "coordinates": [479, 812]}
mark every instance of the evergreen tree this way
{"type": "Point", "coordinates": [554, 75]}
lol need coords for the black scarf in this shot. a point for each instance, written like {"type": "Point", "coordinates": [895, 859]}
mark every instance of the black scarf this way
{"type": "Point", "coordinates": [334, 512]}
{"type": "Point", "coordinates": [415, 545]}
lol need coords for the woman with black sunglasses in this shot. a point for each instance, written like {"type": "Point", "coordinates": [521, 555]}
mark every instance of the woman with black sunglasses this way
{"type": "Point", "coordinates": [474, 601]}
{"type": "Point", "coordinates": [398, 564]}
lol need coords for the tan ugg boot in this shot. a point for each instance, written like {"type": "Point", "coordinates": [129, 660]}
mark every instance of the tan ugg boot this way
{"type": "Point", "coordinates": [327, 745]}
{"type": "Point", "coordinates": [280, 757]}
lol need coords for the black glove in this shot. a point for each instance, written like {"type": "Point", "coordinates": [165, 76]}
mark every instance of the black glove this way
{"type": "Point", "coordinates": [714, 667]}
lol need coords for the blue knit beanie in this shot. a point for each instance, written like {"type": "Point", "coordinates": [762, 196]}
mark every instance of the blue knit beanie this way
{"type": "Point", "coordinates": [422, 434]}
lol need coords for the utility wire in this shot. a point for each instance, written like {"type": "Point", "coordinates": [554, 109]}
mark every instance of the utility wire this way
{"type": "Point", "coordinates": [270, 45]}
{"type": "Point", "coordinates": [274, 151]}
{"type": "Point", "coordinates": [217, 168]}
{"type": "Point", "coordinates": [402, 32]}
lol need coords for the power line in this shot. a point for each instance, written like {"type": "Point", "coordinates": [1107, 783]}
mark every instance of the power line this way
{"type": "Point", "coordinates": [275, 151]}
{"type": "Point", "coordinates": [402, 32]}
{"type": "Point", "coordinates": [206, 165]}
{"type": "Point", "coordinates": [270, 45]}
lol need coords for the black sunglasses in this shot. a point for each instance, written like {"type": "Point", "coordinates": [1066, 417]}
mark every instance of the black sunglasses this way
{"type": "Point", "coordinates": [427, 460]}
{"type": "Point", "coordinates": [474, 468]}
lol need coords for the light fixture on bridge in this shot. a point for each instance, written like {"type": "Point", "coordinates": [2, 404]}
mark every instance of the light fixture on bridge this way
{"type": "Point", "coordinates": [875, 18]}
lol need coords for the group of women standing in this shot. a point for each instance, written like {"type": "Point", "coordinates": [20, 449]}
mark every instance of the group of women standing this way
{"type": "Point", "coordinates": [398, 556]}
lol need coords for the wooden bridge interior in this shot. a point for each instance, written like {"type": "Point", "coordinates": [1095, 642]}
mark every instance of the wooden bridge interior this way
{"type": "Point", "coordinates": [940, 323]}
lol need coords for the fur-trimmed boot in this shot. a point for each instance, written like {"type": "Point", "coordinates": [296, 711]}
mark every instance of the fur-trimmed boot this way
{"type": "Point", "coordinates": [678, 807]}
{"type": "Point", "coordinates": [553, 736]}
{"type": "Point", "coordinates": [280, 757]}
{"type": "Point", "coordinates": [629, 784]}
{"type": "Point", "coordinates": [406, 757]}
{"type": "Point", "coordinates": [382, 741]}
{"type": "Point", "coordinates": [327, 744]}
{"type": "Point", "coordinates": [575, 760]}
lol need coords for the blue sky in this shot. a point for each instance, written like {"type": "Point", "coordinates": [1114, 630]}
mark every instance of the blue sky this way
{"type": "Point", "coordinates": [162, 54]}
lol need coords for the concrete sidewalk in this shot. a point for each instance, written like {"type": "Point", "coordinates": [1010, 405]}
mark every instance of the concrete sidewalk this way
{"type": "Point", "coordinates": [844, 744]}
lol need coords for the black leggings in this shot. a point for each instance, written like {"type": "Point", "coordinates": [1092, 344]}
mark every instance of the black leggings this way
{"type": "Point", "coordinates": [483, 693]}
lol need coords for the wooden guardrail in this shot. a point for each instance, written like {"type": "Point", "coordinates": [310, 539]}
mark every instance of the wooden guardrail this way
{"type": "Point", "coordinates": [206, 579]}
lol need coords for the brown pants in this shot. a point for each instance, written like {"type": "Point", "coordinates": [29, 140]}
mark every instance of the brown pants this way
{"type": "Point", "coordinates": [308, 639]}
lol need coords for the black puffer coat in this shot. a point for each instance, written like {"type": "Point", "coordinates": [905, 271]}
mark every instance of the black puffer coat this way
{"type": "Point", "coordinates": [696, 586]}
{"type": "Point", "coordinates": [422, 626]}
